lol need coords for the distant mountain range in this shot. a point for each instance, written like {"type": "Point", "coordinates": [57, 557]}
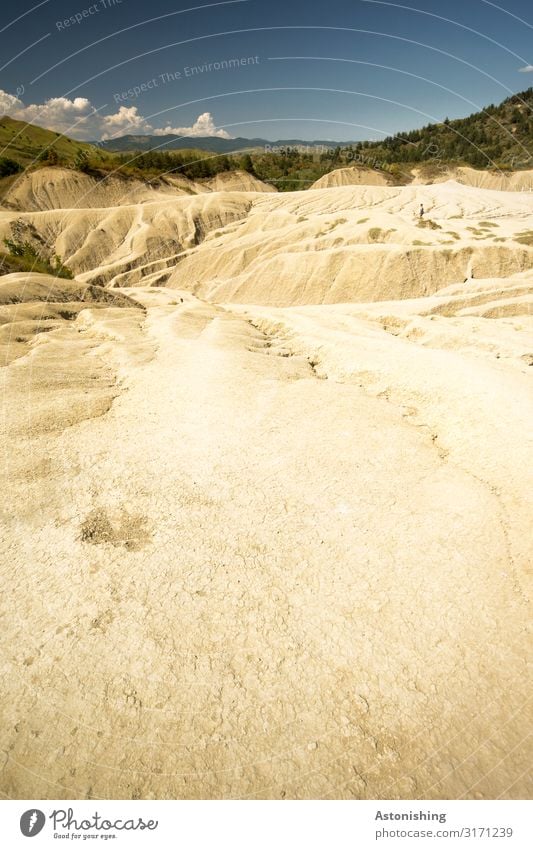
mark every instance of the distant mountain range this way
{"type": "Point", "coordinates": [210, 143]}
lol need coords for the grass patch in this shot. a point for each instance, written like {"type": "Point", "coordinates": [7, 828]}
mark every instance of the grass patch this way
{"type": "Point", "coordinates": [376, 234]}
{"type": "Point", "coordinates": [9, 167]}
{"type": "Point", "coordinates": [22, 256]}
{"type": "Point", "coordinates": [332, 225]}
{"type": "Point", "coordinates": [28, 144]}
{"type": "Point", "coordinates": [428, 224]}
{"type": "Point", "coordinates": [525, 238]}
{"type": "Point", "coordinates": [487, 224]}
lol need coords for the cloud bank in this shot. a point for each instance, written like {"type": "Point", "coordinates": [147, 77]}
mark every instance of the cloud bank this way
{"type": "Point", "coordinates": [79, 119]}
{"type": "Point", "coordinates": [203, 126]}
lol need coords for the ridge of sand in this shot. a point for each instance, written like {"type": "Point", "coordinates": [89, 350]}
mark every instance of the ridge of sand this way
{"type": "Point", "coordinates": [65, 188]}
{"type": "Point", "coordinates": [237, 181]}
{"type": "Point", "coordinates": [352, 176]}
{"type": "Point", "coordinates": [327, 246]}
{"type": "Point", "coordinates": [515, 181]}
{"type": "Point", "coordinates": [360, 243]}
{"type": "Point", "coordinates": [504, 181]}
{"type": "Point", "coordinates": [34, 304]}
{"type": "Point", "coordinates": [102, 244]}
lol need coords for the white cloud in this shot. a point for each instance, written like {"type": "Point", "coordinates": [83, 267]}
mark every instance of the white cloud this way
{"type": "Point", "coordinates": [203, 126]}
{"type": "Point", "coordinates": [79, 119]}
{"type": "Point", "coordinates": [527, 70]}
{"type": "Point", "coordinates": [127, 120]}
{"type": "Point", "coordinates": [9, 103]}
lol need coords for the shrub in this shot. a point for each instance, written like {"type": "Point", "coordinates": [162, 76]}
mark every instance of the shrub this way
{"type": "Point", "coordinates": [525, 238]}
{"type": "Point", "coordinates": [81, 163]}
{"type": "Point", "coordinates": [49, 156]}
{"type": "Point", "coordinates": [9, 166]}
{"type": "Point", "coordinates": [24, 257]}
{"type": "Point", "coordinates": [428, 224]}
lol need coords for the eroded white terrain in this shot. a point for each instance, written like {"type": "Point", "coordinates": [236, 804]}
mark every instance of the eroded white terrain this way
{"type": "Point", "coordinates": [268, 551]}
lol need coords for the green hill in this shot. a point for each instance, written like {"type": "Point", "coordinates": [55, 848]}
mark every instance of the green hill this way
{"type": "Point", "coordinates": [24, 143]}
{"type": "Point", "coordinates": [499, 136]}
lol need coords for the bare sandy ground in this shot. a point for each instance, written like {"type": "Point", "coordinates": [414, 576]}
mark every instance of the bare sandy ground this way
{"type": "Point", "coordinates": [264, 551]}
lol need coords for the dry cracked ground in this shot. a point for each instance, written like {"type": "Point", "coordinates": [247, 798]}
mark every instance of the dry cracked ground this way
{"type": "Point", "coordinates": [259, 551]}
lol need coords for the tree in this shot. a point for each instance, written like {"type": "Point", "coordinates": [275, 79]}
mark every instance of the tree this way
{"type": "Point", "coordinates": [81, 163]}
{"type": "Point", "coordinates": [247, 164]}
{"type": "Point", "coordinates": [53, 158]}
{"type": "Point", "coordinates": [9, 166]}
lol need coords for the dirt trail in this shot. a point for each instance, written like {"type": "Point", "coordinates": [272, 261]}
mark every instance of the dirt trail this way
{"type": "Point", "coordinates": [243, 580]}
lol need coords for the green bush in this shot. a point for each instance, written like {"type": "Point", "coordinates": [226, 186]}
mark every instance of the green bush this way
{"type": "Point", "coordinates": [22, 256]}
{"type": "Point", "coordinates": [81, 163]}
{"type": "Point", "coordinates": [49, 156]}
{"type": "Point", "coordinates": [9, 166]}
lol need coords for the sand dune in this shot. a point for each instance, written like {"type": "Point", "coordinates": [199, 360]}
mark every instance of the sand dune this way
{"type": "Point", "coordinates": [352, 176]}
{"type": "Point", "coordinates": [266, 529]}
{"type": "Point", "coordinates": [327, 246]}
{"type": "Point", "coordinates": [515, 181]}
{"type": "Point", "coordinates": [359, 243]}
{"type": "Point", "coordinates": [125, 243]}
{"type": "Point", "coordinates": [237, 181]}
{"type": "Point", "coordinates": [63, 188]}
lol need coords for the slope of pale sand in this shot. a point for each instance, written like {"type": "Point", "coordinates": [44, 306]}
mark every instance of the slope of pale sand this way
{"type": "Point", "coordinates": [287, 562]}
{"type": "Point", "coordinates": [237, 181]}
{"type": "Point", "coordinates": [226, 181]}
{"type": "Point", "coordinates": [515, 181]}
{"type": "Point", "coordinates": [64, 188]}
{"type": "Point", "coordinates": [351, 176]}
{"type": "Point", "coordinates": [134, 241]}
{"type": "Point", "coordinates": [482, 364]}
{"type": "Point", "coordinates": [359, 244]}
{"type": "Point", "coordinates": [24, 287]}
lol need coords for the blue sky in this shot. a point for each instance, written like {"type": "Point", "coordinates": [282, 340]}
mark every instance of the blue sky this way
{"type": "Point", "coordinates": [345, 69]}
